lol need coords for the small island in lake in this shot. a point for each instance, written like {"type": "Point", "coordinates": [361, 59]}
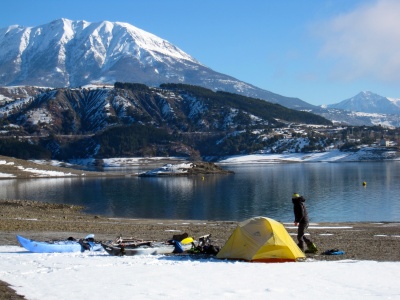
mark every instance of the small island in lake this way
{"type": "Point", "coordinates": [192, 168]}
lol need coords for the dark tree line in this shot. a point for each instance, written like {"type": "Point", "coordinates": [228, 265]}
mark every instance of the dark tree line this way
{"type": "Point", "coordinates": [261, 108]}
{"type": "Point", "coordinates": [22, 149]}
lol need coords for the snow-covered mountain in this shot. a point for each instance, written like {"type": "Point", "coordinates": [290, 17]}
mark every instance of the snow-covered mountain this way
{"type": "Point", "coordinates": [67, 53]}
{"type": "Point", "coordinates": [369, 102]}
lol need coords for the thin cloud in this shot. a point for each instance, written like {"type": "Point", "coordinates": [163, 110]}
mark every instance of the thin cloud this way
{"type": "Point", "coordinates": [365, 42]}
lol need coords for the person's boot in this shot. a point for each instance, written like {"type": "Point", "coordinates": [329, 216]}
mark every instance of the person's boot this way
{"type": "Point", "coordinates": [311, 248]}
{"type": "Point", "coordinates": [301, 246]}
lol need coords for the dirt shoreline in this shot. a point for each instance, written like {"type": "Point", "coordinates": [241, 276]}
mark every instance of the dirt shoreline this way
{"type": "Point", "coordinates": [46, 221]}
{"type": "Point", "coordinates": [14, 168]}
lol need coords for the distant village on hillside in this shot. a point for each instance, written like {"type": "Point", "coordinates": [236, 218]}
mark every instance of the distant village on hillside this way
{"type": "Point", "coordinates": [297, 138]}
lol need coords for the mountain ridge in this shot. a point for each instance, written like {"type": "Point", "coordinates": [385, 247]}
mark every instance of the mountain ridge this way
{"type": "Point", "coordinates": [135, 120]}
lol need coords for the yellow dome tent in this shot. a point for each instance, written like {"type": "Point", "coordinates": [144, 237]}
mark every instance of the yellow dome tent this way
{"type": "Point", "coordinates": [261, 239]}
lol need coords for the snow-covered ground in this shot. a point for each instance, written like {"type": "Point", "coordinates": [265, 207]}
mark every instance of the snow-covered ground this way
{"type": "Point", "coordinates": [100, 276]}
{"type": "Point", "coordinates": [34, 171]}
{"type": "Point", "coordinates": [332, 156]}
{"type": "Point", "coordinates": [364, 154]}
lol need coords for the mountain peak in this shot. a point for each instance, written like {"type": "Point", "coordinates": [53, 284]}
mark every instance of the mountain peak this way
{"type": "Point", "coordinates": [66, 53]}
{"type": "Point", "coordinates": [368, 102]}
{"type": "Point", "coordinates": [61, 21]}
{"type": "Point", "coordinates": [366, 93]}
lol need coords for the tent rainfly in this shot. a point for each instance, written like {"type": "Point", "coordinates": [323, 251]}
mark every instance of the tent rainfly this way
{"type": "Point", "coordinates": [261, 239]}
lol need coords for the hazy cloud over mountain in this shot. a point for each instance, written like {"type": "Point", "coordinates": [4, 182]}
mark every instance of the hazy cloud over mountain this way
{"type": "Point", "coordinates": [366, 40]}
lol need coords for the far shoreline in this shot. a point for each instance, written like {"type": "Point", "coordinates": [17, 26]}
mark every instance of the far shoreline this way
{"type": "Point", "coordinates": [14, 168]}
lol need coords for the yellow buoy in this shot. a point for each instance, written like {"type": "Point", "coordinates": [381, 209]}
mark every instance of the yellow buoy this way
{"type": "Point", "coordinates": [364, 183]}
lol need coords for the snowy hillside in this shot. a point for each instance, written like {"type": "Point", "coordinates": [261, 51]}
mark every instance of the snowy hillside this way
{"type": "Point", "coordinates": [395, 101]}
{"type": "Point", "coordinates": [13, 93]}
{"type": "Point", "coordinates": [91, 109]}
{"type": "Point", "coordinates": [354, 118]}
{"type": "Point", "coordinates": [67, 53]}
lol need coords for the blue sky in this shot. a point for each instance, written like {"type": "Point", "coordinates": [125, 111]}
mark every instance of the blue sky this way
{"type": "Point", "coordinates": [321, 51]}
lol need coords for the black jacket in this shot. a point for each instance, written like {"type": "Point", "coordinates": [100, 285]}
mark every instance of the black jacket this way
{"type": "Point", "coordinates": [300, 210]}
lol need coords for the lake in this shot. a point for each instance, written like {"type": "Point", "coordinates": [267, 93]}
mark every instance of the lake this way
{"type": "Point", "coordinates": [334, 193]}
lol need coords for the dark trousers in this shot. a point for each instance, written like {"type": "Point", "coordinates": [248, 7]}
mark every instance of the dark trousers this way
{"type": "Point", "coordinates": [301, 237]}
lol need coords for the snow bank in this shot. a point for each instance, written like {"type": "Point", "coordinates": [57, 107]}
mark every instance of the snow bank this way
{"type": "Point", "coordinates": [98, 275]}
{"type": "Point", "coordinates": [45, 173]}
{"type": "Point", "coordinates": [329, 156]}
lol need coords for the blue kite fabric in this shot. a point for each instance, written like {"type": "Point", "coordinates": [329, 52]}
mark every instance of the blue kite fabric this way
{"type": "Point", "coordinates": [333, 252]}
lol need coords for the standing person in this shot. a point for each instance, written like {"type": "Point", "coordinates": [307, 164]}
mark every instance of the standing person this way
{"type": "Point", "coordinates": [301, 220]}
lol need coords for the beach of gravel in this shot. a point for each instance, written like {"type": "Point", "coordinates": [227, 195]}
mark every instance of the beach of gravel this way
{"type": "Point", "coordinates": [46, 221]}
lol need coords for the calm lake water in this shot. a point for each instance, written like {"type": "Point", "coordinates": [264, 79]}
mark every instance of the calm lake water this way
{"type": "Point", "coordinates": [334, 193]}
